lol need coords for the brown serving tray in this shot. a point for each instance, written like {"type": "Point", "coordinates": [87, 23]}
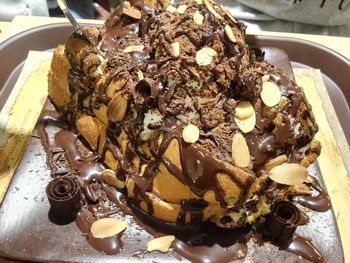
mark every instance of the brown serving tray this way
{"type": "Point", "coordinates": [25, 230]}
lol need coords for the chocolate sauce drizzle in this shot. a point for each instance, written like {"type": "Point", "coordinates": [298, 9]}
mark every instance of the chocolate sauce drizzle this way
{"type": "Point", "coordinates": [196, 240]}
{"type": "Point", "coordinates": [198, 167]}
{"type": "Point", "coordinates": [199, 243]}
{"type": "Point", "coordinates": [319, 202]}
{"type": "Point", "coordinates": [87, 172]}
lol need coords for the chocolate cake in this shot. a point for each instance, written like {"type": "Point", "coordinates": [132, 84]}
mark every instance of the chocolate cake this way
{"type": "Point", "coordinates": [192, 132]}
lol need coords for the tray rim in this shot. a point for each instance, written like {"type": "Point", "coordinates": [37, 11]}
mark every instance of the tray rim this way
{"type": "Point", "coordinates": [255, 37]}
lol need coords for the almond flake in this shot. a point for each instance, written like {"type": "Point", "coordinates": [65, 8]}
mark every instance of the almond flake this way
{"type": "Point", "coordinates": [190, 133]}
{"type": "Point", "coordinates": [288, 174]}
{"type": "Point", "coordinates": [101, 113]}
{"type": "Point", "coordinates": [181, 9]}
{"type": "Point", "coordinates": [86, 102]}
{"type": "Point", "coordinates": [110, 178]}
{"type": "Point", "coordinates": [276, 161]}
{"type": "Point", "coordinates": [130, 49]}
{"type": "Point", "coordinates": [161, 244]}
{"type": "Point", "coordinates": [175, 49]}
{"type": "Point", "coordinates": [204, 56]}
{"type": "Point", "coordinates": [132, 12]}
{"type": "Point", "coordinates": [246, 125]}
{"type": "Point", "coordinates": [283, 103]}
{"type": "Point", "coordinates": [244, 110]}
{"type": "Point", "coordinates": [171, 9]}
{"type": "Point", "coordinates": [265, 78]}
{"type": "Point", "coordinates": [198, 18]}
{"type": "Point", "coordinates": [229, 34]}
{"type": "Point", "coordinates": [107, 227]}
{"type": "Point", "coordinates": [309, 180]}
{"type": "Point", "coordinates": [199, 2]}
{"type": "Point", "coordinates": [223, 9]}
{"type": "Point", "coordinates": [240, 151]}
{"type": "Point", "coordinates": [211, 9]}
{"type": "Point", "coordinates": [270, 94]}
{"type": "Point", "coordinates": [140, 74]}
{"type": "Point", "coordinates": [117, 107]}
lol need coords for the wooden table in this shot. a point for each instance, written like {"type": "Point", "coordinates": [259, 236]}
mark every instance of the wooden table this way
{"type": "Point", "coordinates": [331, 135]}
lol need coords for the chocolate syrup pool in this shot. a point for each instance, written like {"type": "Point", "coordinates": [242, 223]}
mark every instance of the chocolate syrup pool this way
{"type": "Point", "coordinates": [67, 156]}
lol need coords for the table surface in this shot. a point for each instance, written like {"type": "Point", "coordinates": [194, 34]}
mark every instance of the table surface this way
{"type": "Point", "coordinates": [339, 44]}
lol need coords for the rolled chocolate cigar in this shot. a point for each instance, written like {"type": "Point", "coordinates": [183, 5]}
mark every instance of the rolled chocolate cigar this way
{"type": "Point", "coordinates": [64, 196]}
{"type": "Point", "coordinates": [194, 124]}
{"type": "Point", "coordinates": [282, 222]}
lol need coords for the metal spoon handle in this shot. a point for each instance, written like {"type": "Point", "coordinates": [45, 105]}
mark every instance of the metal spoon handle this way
{"type": "Point", "coordinates": [63, 5]}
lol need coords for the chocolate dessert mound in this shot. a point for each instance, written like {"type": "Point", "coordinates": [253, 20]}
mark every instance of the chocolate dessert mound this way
{"type": "Point", "coordinates": [194, 129]}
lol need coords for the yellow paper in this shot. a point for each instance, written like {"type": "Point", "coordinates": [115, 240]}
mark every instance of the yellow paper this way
{"type": "Point", "coordinates": [20, 114]}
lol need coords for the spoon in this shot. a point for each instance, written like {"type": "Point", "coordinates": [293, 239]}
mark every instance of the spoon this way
{"type": "Point", "coordinates": [63, 5]}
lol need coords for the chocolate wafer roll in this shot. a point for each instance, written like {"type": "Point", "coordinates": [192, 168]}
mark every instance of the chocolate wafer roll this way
{"type": "Point", "coordinates": [64, 196]}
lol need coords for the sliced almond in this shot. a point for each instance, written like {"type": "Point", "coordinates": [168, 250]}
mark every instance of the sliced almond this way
{"type": "Point", "coordinates": [101, 113]}
{"type": "Point", "coordinates": [107, 227]}
{"type": "Point", "coordinates": [199, 2]}
{"type": "Point", "coordinates": [240, 151]}
{"type": "Point", "coordinates": [265, 78]}
{"type": "Point", "coordinates": [117, 107]}
{"type": "Point", "coordinates": [229, 34]}
{"type": "Point", "coordinates": [140, 74]}
{"type": "Point", "coordinates": [283, 103]}
{"type": "Point", "coordinates": [190, 133]}
{"type": "Point", "coordinates": [123, 141]}
{"type": "Point", "coordinates": [132, 12]}
{"type": "Point", "coordinates": [212, 10]}
{"type": "Point", "coordinates": [175, 49]}
{"type": "Point", "coordinates": [115, 86]}
{"type": "Point", "coordinates": [276, 161]}
{"type": "Point", "coordinates": [270, 94]}
{"type": "Point", "coordinates": [205, 55]}
{"type": "Point", "coordinates": [110, 178]}
{"type": "Point", "coordinates": [288, 174]}
{"type": "Point", "coordinates": [161, 244]}
{"type": "Point", "coordinates": [181, 9]}
{"type": "Point", "coordinates": [171, 9]}
{"type": "Point", "coordinates": [198, 18]}
{"type": "Point", "coordinates": [244, 109]}
{"type": "Point", "coordinates": [246, 125]}
{"type": "Point", "coordinates": [130, 49]}
{"type": "Point", "coordinates": [309, 180]}
{"type": "Point", "coordinates": [86, 102]}
{"type": "Point", "coordinates": [226, 12]}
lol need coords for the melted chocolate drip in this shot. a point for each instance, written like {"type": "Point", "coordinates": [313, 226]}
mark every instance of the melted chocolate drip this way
{"type": "Point", "coordinates": [198, 168]}
{"type": "Point", "coordinates": [199, 243]}
{"type": "Point", "coordinates": [87, 172]}
{"type": "Point", "coordinates": [109, 246]}
{"type": "Point", "coordinates": [319, 202]}
{"type": "Point", "coordinates": [302, 247]}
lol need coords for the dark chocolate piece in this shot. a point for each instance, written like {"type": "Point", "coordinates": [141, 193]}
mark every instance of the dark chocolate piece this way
{"type": "Point", "coordinates": [282, 222]}
{"type": "Point", "coordinates": [64, 196]}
